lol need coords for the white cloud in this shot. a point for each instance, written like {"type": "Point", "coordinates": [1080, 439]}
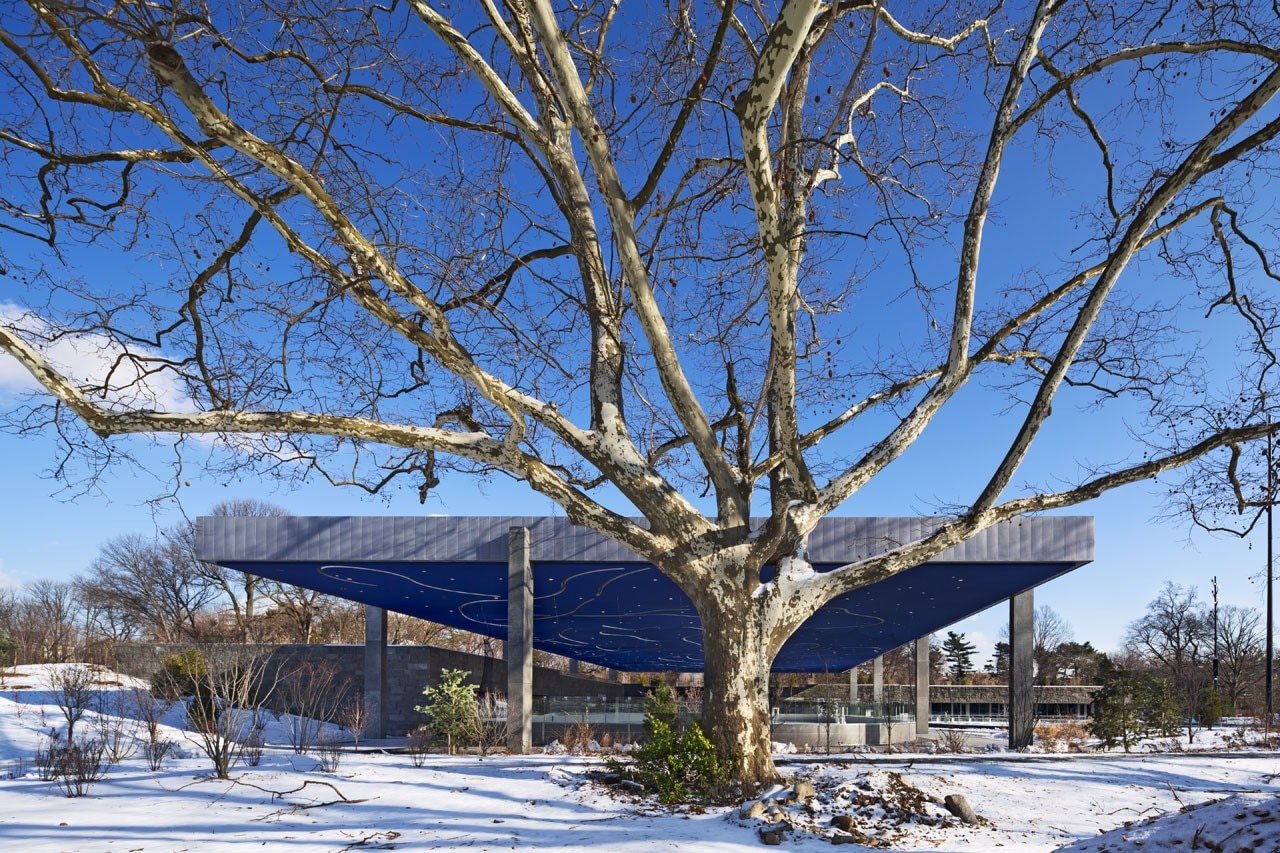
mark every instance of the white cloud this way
{"type": "Point", "coordinates": [90, 359]}
{"type": "Point", "coordinates": [7, 581]}
{"type": "Point", "coordinates": [985, 647]}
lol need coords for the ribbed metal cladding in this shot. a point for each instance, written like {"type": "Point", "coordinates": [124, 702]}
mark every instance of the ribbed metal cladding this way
{"type": "Point", "coordinates": [1044, 539]}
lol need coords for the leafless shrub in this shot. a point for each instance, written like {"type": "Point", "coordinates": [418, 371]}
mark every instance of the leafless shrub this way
{"type": "Point", "coordinates": [1265, 725]}
{"type": "Point", "coordinates": [689, 701]}
{"type": "Point", "coordinates": [150, 710]}
{"type": "Point", "coordinates": [116, 728]}
{"type": "Point", "coordinates": [579, 737]}
{"type": "Point", "coordinates": [419, 744]}
{"type": "Point", "coordinates": [328, 751]}
{"type": "Point", "coordinates": [252, 747]}
{"type": "Point", "coordinates": [46, 748]}
{"type": "Point", "coordinates": [72, 766]}
{"type": "Point", "coordinates": [1061, 737]}
{"type": "Point", "coordinates": [312, 694]}
{"type": "Point", "coordinates": [355, 717]}
{"type": "Point", "coordinates": [491, 730]}
{"type": "Point", "coordinates": [74, 689]}
{"type": "Point", "coordinates": [953, 740]}
{"type": "Point", "coordinates": [76, 766]}
{"type": "Point", "coordinates": [155, 751]}
{"type": "Point", "coordinates": [224, 689]}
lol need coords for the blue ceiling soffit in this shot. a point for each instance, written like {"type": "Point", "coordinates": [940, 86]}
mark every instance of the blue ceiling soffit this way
{"type": "Point", "coordinates": [598, 602]}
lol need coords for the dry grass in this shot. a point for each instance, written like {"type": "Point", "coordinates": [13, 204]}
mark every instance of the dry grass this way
{"type": "Point", "coordinates": [580, 737]}
{"type": "Point", "coordinates": [1061, 737]}
{"type": "Point", "coordinates": [952, 740]}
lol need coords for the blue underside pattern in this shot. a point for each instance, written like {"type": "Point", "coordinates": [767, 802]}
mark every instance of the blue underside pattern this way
{"type": "Point", "coordinates": [631, 617]}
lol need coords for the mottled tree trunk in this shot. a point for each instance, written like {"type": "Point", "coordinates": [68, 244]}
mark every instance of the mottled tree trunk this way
{"type": "Point", "coordinates": [735, 710]}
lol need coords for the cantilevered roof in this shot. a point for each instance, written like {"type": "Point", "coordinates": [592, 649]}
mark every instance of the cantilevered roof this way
{"type": "Point", "coordinates": [596, 601]}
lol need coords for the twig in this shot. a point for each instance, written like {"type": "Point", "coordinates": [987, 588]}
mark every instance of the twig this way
{"type": "Point", "coordinates": [1136, 811]}
{"type": "Point", "coordinates": [390, 835]}
{"type": "Point", "coordinates": [281, 794]}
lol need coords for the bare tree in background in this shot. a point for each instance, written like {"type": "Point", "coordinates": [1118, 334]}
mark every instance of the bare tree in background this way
{"type": "Point", "coordinates": [670, 265]}
{"type": "Point", "coordinates": [241, 590]}
{"type": "Point", "coordinates": [1174, 640]}
{"type": "Point", "coordinates": [154, 584]}
{"type": "Point", "coordinates": [296, 612]}
{"type": "Point", "coordinates": [1175, 635]}
{"type": "Point", "coordinates": [1049, 632]}
{"type": "Point", "coordinates": [49, 622]}
{"type": "Point", "coordinates": [1242, 657]}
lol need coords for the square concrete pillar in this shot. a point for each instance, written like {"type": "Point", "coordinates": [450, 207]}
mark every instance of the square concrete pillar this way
{"type": "Point", "coordinates": [877, 679]}
{"type": "Point", "coordinates": [375, 670]}
{"type": "Point", "coordinates": [922, 685]}
{"type": "Point", "coordinates": [1022, 718]}
{"type": "Point", "coordinates": [853, 684]}
{"type": "Point", "coordinates": [518, 648]}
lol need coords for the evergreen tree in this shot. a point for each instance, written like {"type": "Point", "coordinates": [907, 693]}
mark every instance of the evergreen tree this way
{"type": "Point", "coordinates": [660, 706]}
{"type": "Point", "coordinates": [1121, 706]}
{"type": "Point", "coordinates": [9, 648]}
{"type": "Point", "coordinates": [958, 653]}
{"type": "Point", "coordinates": [452, 707]}
{"type": "Point", "coordinates": [999, 664]}
{"type": "Point", "coordinates": [1077, 663]}
{"type": "Point", "coordinates": [1211, 707]}
{"type": "Point", "coordinates": [1163, 709]}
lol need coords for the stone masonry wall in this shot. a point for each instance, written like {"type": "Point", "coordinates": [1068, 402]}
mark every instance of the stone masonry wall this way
{"type": "Point", "coordinates": [409, 670]}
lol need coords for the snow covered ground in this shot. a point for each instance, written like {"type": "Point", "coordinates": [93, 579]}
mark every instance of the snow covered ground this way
{"type": "Point", "coordinates": [1225, 800]}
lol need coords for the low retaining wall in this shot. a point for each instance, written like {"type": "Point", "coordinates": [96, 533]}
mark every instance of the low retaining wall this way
{"type": "Point", "coordinates": [409, 670]}
{"type": "Point", "coordinates": [837, 737]}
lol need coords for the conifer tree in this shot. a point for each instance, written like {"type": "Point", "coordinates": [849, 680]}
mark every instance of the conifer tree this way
{"type": "Point", "coordinates": [452, 707]}
{"type": "Point", "coordinates": [959, 656]}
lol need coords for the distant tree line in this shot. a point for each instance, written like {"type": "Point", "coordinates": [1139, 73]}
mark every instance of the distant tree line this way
{"type": "Point", "coordinates": [153, 589]}
{"type": "Point", "coordinates": [1208, 672]}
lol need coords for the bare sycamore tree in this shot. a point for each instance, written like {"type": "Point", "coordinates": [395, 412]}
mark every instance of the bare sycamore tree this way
{"type": "Point", "coordinates": [670, 265]}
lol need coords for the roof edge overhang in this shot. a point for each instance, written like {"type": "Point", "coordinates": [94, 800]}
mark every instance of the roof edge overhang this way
{"type": "Point", "coordinates": [1066, 539]}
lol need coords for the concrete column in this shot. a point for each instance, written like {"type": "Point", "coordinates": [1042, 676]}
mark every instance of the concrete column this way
{"type": "Point", "coordinates": [519, 646]}
{"type": "Point", "coordinates": [877, 679]}
{"type": "Point", "coordinates": [1022, 609]}
{"type": "Point", "coordinates": [375, 671]}
{"type": "Point", "coordinates": [853, 684]}
{"type": "Point", "coordinates": [922, 685]}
